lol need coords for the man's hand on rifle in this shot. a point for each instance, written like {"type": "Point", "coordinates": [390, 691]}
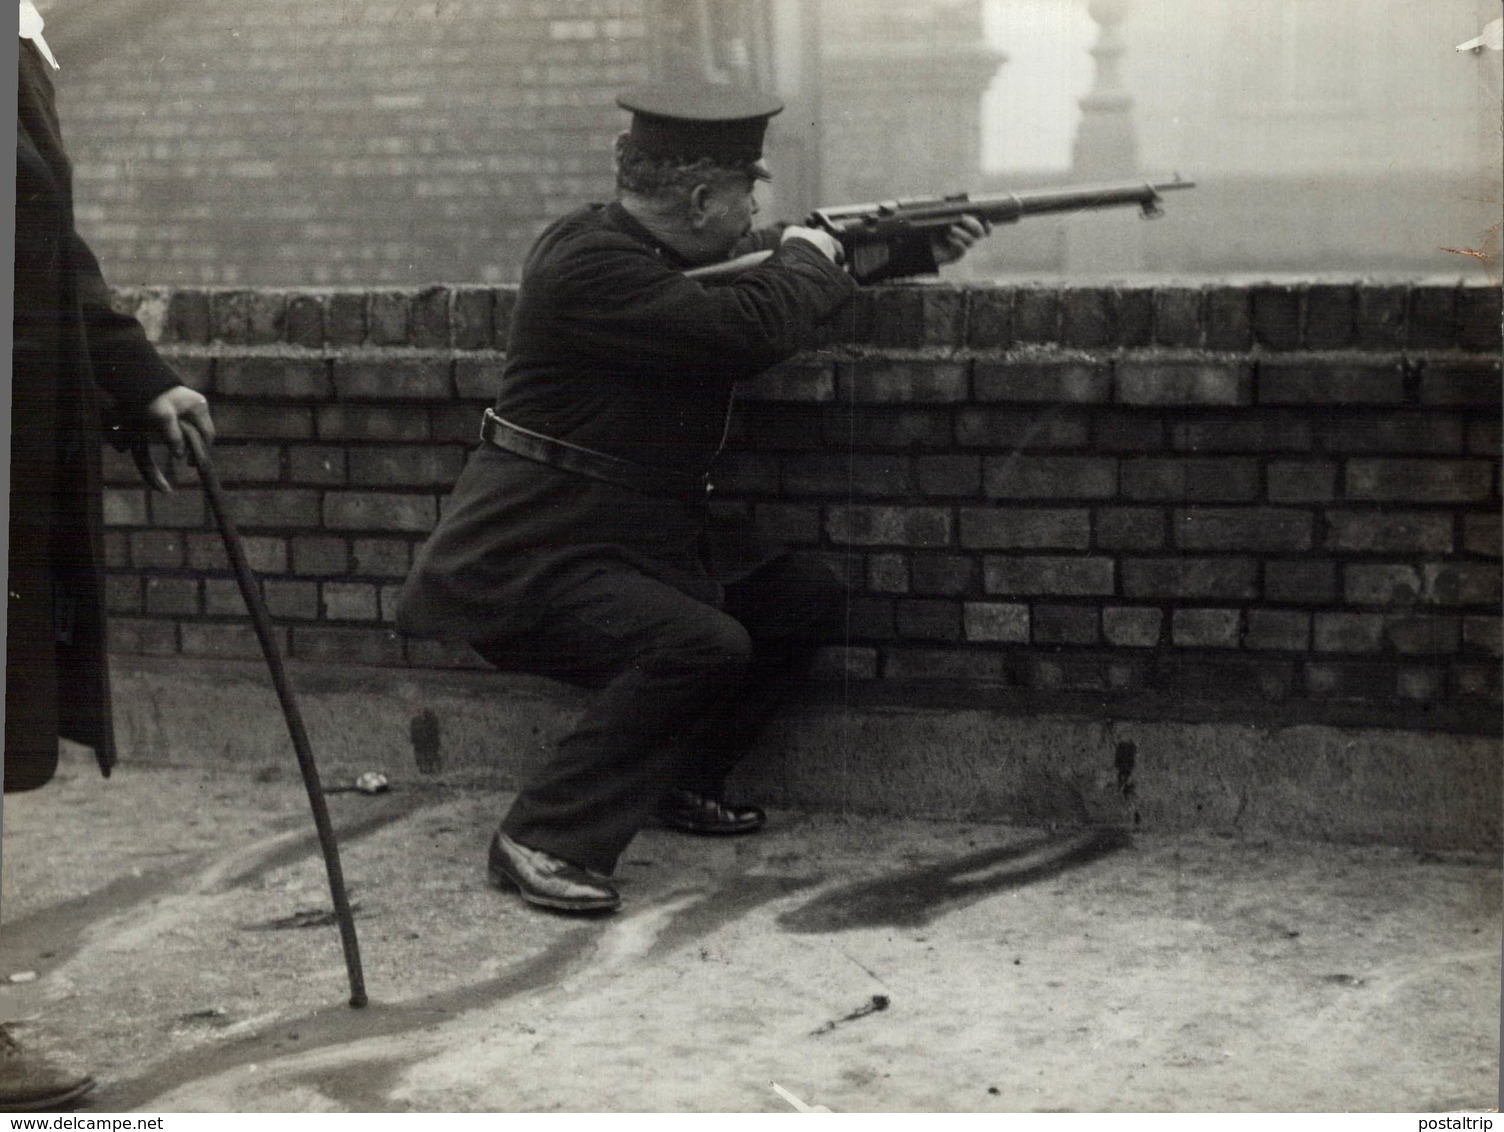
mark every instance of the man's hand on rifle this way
{"type": "Point", "coordinates": [817, 236]}
{"type": "Point", "coordinates": [957, 240]}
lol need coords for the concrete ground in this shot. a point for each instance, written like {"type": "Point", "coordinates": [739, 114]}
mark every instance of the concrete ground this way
{"type": "Point", "coordinates": [168, 931]}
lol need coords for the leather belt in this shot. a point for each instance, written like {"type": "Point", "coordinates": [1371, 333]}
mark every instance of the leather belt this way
{"type": "Point", "coordinates": [582, 461]}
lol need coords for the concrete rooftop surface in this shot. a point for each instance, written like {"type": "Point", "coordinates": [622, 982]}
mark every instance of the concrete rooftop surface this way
{"type": "Point", "coordinates": [168, 931]}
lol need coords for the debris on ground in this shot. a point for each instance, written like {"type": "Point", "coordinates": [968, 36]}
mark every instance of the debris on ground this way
{"type": "Point", "coordinates": [879, 1002]}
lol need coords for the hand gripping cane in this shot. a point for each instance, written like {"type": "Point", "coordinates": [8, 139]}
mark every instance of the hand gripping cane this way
{"type": "Point", "coordinates": [252, 594]}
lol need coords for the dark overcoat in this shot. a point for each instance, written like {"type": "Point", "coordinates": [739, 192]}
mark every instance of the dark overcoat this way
{"type": "Point", "coordinates": [69, 347]}
{"type": "Point", "coordinates": [614, 349]}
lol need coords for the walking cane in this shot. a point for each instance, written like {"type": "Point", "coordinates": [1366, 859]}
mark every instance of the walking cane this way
{"type": "Point", "coordinates": [262, 621]}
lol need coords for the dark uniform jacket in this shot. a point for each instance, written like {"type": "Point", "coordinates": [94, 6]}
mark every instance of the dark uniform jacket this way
{"type": "Point", "coordinates": [614, 349]}
{"type": "Point", "coordinates": [68, 346]}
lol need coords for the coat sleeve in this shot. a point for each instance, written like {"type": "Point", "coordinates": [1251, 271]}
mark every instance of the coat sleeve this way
{"type": "Point", "coordinates": [126, 365]}
{"type": "Point", "coordinates": [618, 297]}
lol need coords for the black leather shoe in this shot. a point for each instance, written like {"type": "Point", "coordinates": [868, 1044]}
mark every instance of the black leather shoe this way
{"type": "Point", "coordinates": [32, 1083]}
{"type": "Point", "coordinates": [699, 813]}
{"type": "Point", "coordinates": [545, 880]}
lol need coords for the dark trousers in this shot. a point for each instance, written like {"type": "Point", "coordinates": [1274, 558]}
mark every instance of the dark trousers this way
{"type": "Point", "coordinates": [682, 688]}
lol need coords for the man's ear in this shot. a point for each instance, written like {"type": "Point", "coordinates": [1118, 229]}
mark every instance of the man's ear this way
{"type": "Point", "coordinates": [699, 205]}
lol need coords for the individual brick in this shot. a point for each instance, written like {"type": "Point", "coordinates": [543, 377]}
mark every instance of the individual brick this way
{"type": "Point", "coordinates": [1300, 582]}
{"type": "Point", "coordinates": [1019, 429]}
{"type": "Point", "coordinates": [424, 466]}
{"type": "Point", "coordinates": [1420, 481]}
{"type": "Point", "coordinates": [1266, 529]}
{"type": "Point", "coordinates": [1461, 383]}
{"type": "Point", "coordinates": [1088, 317]}
{"type": "Point", "coordinates": [1130, 528]}
{"type": "Point", "coordinates": [847, 474]}
{"type": "Point", "coordinates": [265, 554]}
{"type": "Point", "coordinates": [1481, 534]}
{"type": "Point", "coordinates": [1387, 532]}
{"type": "Point", "coordinates": [1461, 583]}
{"type": "Point", "coordinates": [477, 378]}
{"type": "Point", "coordinates": [350, 601]}
{"type": "Point", "coordinates": [189, 318]}
{"type": "Point", "coordinates": [275, 507]}
{"type": "Point", "coordinates": [376, 422]}
{"type": "Point", "coordinates": [872, 426]}
{"type": "Point", "coordinates": [996, 621]}
{"type": "Point", "coordinates": [1475, 682]}
{"type": "Point", "coordinates": [345, 318]}
{"type": "Point", "coordinates": [304, 324]}
{"type": "Point", "coordinates": [1381, 584]}
{"type": "Point", "coordinates": [920, 619]}
{"type": "Point", "coordinates": [1126, 432]}
{"type": "Point", "coordinates": [1241, 432]}
{"type": "Point", "coordinates": [1208, 480]}
{"type": "Point", "coordinates": [873, 525]}
{"type": "Point", "coordinates": [1053, 575]}
{"type": "Point", "coordinates": [1276, 317]}
{"type": "Point", "coordinates": [248, 463]}
{"type": "Point", "coordinates": [122, 593]}
{"type": "Point", "coordinates": [1135, 313]}
{"type": "Point", "coordinates": [390, 315]}
{"type": "Point", "coordinates": [1277, 630]}
{"type": "Point", "coordinates": [243, 421]}
{"type": "Point", "coordinates": [1479, 318]}
{"type": "Point", "coordinates": [1206, 628]}
{"type": "Point", "coordinates": [1189, 578]}
{"type": "Point", "coordinates": [1348, 680]}
{"type": "Point", "coordinates": [1184, 381]}
{"type": "Point", "coordinates": [380, 557]}
{"type": "Point", "coordinates": [470, 317]}
{"type": "Point", "coordinates": [1482, 634]}
{"type": "Point", "coordinates": [1485, 437]}
{"type": "Point", "coordinates": [157, 550]}
{"type": "Point", "coordinates": [1414, 635]}
{"type": "Point", "coordinates": [317, 464]}
{"type": "Point", "coordinates": [320, 555]}
{"type": "Point", "coordinates": [948, 476]}
{"type": "Point", "coordinates": [896, 318]}
{"type": "Point", "coordinates": [379, 511]}
{"type": "Point", "coordinates": [791, 381]}
{"type": "Point", "coordinates": [990, 318]}
{"type": "Point", "coordinates": [1132, 626]}
{"type": "Point", "coordinates": [172, 596]}
{"type": "Point", "coordinates": [1424, 684]}
{"type": "Point", "coordinates": [1064, 624]}
{"type": "Point", "coordinates": [1349, 632]}
{"type": "Point", "coordinates": [988, 528]}
{"type": "Point", "coordinates": [1429, 432]}
{"type": "Point", "coordinates": [273, 378]}
{"type": "Point", "coordinates": [382, 378]}
{"type": "Point", "coordinates": [125, 507]}
{"type": "Point", "coordinates": [250, 318]}
{"type": "Point", "coordinates": [1036, 315]}
{"type": "Point", "coordinates": [943, 315]}
{"type": "Point", "coordinates": [887, 574]}
{"type": "Point", "coordinates": [897, 381]}
{"type": "Point", "coordinates": [1381, 316]}
{"type": "Point", "coordinates": [1177, 316]}
{"type": "Point", "coordinates": [1049, 477]}
{"type": "Point", "coordinates": [1074, 382]}
{"type": "Point", "coordinates": [942, 664]}
{"type": "Point", "coordinates": [942, 575]}
{"type": "Point", "coordinates": [501, 326]}
{"type": "Point", "coordinates": [430, 317]}
{"type": "Point", "coordinates": [1432, 317]}
{"type": "Point", "coordinates": [1228, 318]}
{"type": "Point", "coordinates": [226, 642]}
{"type": "Point", "coordinates": [291, 599]}
{"type": "Point", "coordinates": [1331, 316]}
{"type": "Point", "coordinates": [1283, 382]}
{"type": "Point", "coordinates": [179, 509]}
{"type": "Point", "coordinates": [870, 618]}
{"type": "Point", "coordinates": [223, 598]}
{"type": "Point", "coordinates": [1302, 481]}
{"type": "Point", "coordinates": [347, 645]}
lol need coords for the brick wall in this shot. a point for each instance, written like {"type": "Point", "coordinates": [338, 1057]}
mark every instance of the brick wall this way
{"type": "Point", "coordinates": [1268, 499]}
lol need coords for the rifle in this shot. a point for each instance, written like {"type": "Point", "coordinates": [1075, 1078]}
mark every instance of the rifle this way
{"type": "Point", "coordinates": [874, 235]}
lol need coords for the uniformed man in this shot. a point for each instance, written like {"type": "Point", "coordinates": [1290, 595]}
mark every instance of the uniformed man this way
{"type": "Point", "coordinates": [577, 542]}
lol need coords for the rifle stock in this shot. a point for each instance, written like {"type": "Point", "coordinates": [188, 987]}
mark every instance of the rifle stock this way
{"type": "Point", "coordinates": [865, 231]}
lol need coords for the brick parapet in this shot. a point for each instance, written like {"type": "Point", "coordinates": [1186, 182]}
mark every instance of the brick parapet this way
{"type": "Point", "coordinates": [1278, 495]}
